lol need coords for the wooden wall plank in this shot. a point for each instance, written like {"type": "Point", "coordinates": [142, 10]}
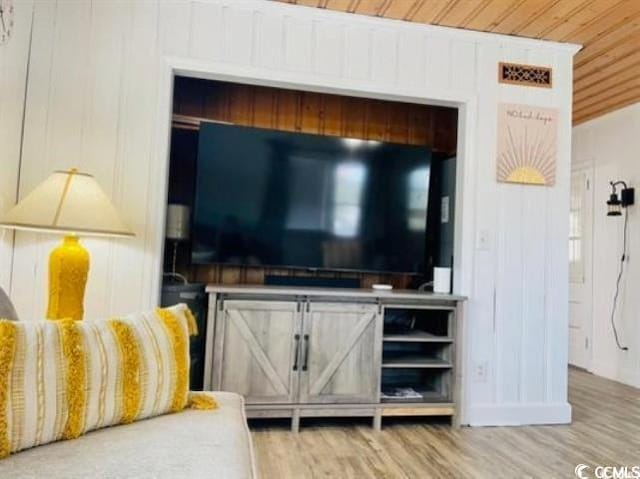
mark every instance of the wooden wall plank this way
{"type": "Point", "coordinates": [332, 115]}
{"type": "Point", "coordinates": [357, 54]}
{"type": "Point", "coordinates": [207, 40]}
{"type": "Point", "coordinates": [101, 126]}
{"type": "Point", "coordinates": [265, 108]}
{"type": "Point", "coordinates": [309, 112]}
{"type": "Point", "coordinates": [378, 120]}
{"type": "Point", "coordinates": [353, 118]}
{"type": "Point", "coordinates": [27, 268]}
{"type": "Point", "coordinates": [13, 81]}
{"type": "Point", "coordinates": [311, 117]}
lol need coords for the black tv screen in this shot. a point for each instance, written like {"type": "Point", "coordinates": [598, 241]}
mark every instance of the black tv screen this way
{"type": "Point", "coordinates": [274, 198]}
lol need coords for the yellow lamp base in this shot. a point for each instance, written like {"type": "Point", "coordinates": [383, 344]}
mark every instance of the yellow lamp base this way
{"type": "Point", "coordinates": [68, 269]}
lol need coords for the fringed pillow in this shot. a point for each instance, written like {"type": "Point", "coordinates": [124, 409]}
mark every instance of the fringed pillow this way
{"type": "Point", "coordinates": [60, 379]}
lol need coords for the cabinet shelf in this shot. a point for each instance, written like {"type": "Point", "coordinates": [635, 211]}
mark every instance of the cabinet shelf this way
{"type": "Point", "coordinates": [416, 362]}
{"type": "Point", "coordinates": [416, 336]}
{"type": "Point", "coordinates": [428, 397]}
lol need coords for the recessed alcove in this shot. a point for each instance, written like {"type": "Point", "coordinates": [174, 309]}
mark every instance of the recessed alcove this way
{"type": "Point", "coordinates": [198, 101]}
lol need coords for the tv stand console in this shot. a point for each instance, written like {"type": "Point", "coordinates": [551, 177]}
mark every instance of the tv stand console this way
{"type": "Point", "coordinates": [310, 352]}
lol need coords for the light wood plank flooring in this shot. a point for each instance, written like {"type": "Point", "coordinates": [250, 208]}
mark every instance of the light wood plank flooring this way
{"type": "Point", "coordinates": [605, 431]}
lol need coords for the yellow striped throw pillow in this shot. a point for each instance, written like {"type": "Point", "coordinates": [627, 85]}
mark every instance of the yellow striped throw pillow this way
{"type": "Point", "coordinates": [60, 379]}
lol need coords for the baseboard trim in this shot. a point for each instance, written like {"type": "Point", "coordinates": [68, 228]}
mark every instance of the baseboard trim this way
{"type": "Point", "coordinates": [616, 372]}
{"type": "Point", "coordinates": [517, 414]}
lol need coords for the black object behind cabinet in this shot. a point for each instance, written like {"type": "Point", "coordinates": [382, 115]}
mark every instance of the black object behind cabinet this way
{"type": "Point", "coordinates": [194, 296]}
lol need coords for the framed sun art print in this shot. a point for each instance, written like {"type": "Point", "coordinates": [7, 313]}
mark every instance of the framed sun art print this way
{"type": "Point", "coordinates": [527, 144]}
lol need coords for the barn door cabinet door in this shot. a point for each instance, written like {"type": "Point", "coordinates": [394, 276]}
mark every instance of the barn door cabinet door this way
{"type": "Point", "coordinates": [341, 353]}
{"type": "Point", "coordinates": [259, 344]}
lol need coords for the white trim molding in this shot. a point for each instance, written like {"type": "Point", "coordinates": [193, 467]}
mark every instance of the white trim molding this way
{"type": "Point", "coordinates": [511, 414]}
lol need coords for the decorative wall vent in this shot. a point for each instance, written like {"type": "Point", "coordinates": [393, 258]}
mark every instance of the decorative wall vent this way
{"type": "Point", "coordinates": [525, 75]}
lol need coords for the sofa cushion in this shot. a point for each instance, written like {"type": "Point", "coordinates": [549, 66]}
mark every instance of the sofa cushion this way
{"type": "Point", "coordinates": [7, 311]}
{"type": "Point", "coordinates": [60, 379]}
{"type": "Point", "coordinates": [191, 444]}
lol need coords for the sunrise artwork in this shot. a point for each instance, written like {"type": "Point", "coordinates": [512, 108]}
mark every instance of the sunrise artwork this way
{"type": "Point", "coordinates": [527, 144]}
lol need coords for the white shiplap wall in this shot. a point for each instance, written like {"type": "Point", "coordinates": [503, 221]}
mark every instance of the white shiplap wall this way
{"type": "Point", "coordinates": [98, 98]}
{"type": "Point", "coordinates": [13, 75]}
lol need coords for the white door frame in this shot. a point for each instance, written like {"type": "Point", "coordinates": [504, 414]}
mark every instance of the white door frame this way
{"type": "Point", "coordinates": [587, 167]}
{"type": "Point", "coordinates": [465, 172]}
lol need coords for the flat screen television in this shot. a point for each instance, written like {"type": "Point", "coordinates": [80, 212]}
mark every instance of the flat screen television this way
{"type": "Point", "coordinates": [287, 199]}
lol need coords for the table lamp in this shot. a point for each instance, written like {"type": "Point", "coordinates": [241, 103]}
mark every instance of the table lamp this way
{"type": "Point", "coordinates": [69, 203]}
{"type": "Point", "coordinates": [177, 231]}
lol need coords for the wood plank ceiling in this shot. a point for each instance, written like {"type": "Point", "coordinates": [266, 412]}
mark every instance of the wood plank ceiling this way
{"type": "Point", "coordinates": [606, 70]}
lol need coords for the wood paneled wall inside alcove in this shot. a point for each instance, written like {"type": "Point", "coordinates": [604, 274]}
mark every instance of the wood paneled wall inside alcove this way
{"type": "Point", "coordinates": [198, 100]}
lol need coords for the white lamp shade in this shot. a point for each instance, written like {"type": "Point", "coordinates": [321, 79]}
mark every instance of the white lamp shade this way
{"type": "Point", "coordinates": [177, 222]}
{"type": "Point", "coordinates": [67, 202]}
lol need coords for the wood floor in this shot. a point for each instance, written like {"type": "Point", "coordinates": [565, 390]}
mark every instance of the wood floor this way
{"type": "Point", "coordinates": [605, 431]}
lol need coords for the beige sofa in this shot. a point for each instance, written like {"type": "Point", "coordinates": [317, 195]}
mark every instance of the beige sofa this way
{"type": "Point", "coordinates": [191, 444]}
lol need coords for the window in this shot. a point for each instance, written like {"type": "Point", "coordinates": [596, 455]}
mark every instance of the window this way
{"type": "Point", "coordinates": [417, 194]}
{"type": "Point", "coordinates": [576, 226]}
{"type": "Point", "coordinates": [347, 199]}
